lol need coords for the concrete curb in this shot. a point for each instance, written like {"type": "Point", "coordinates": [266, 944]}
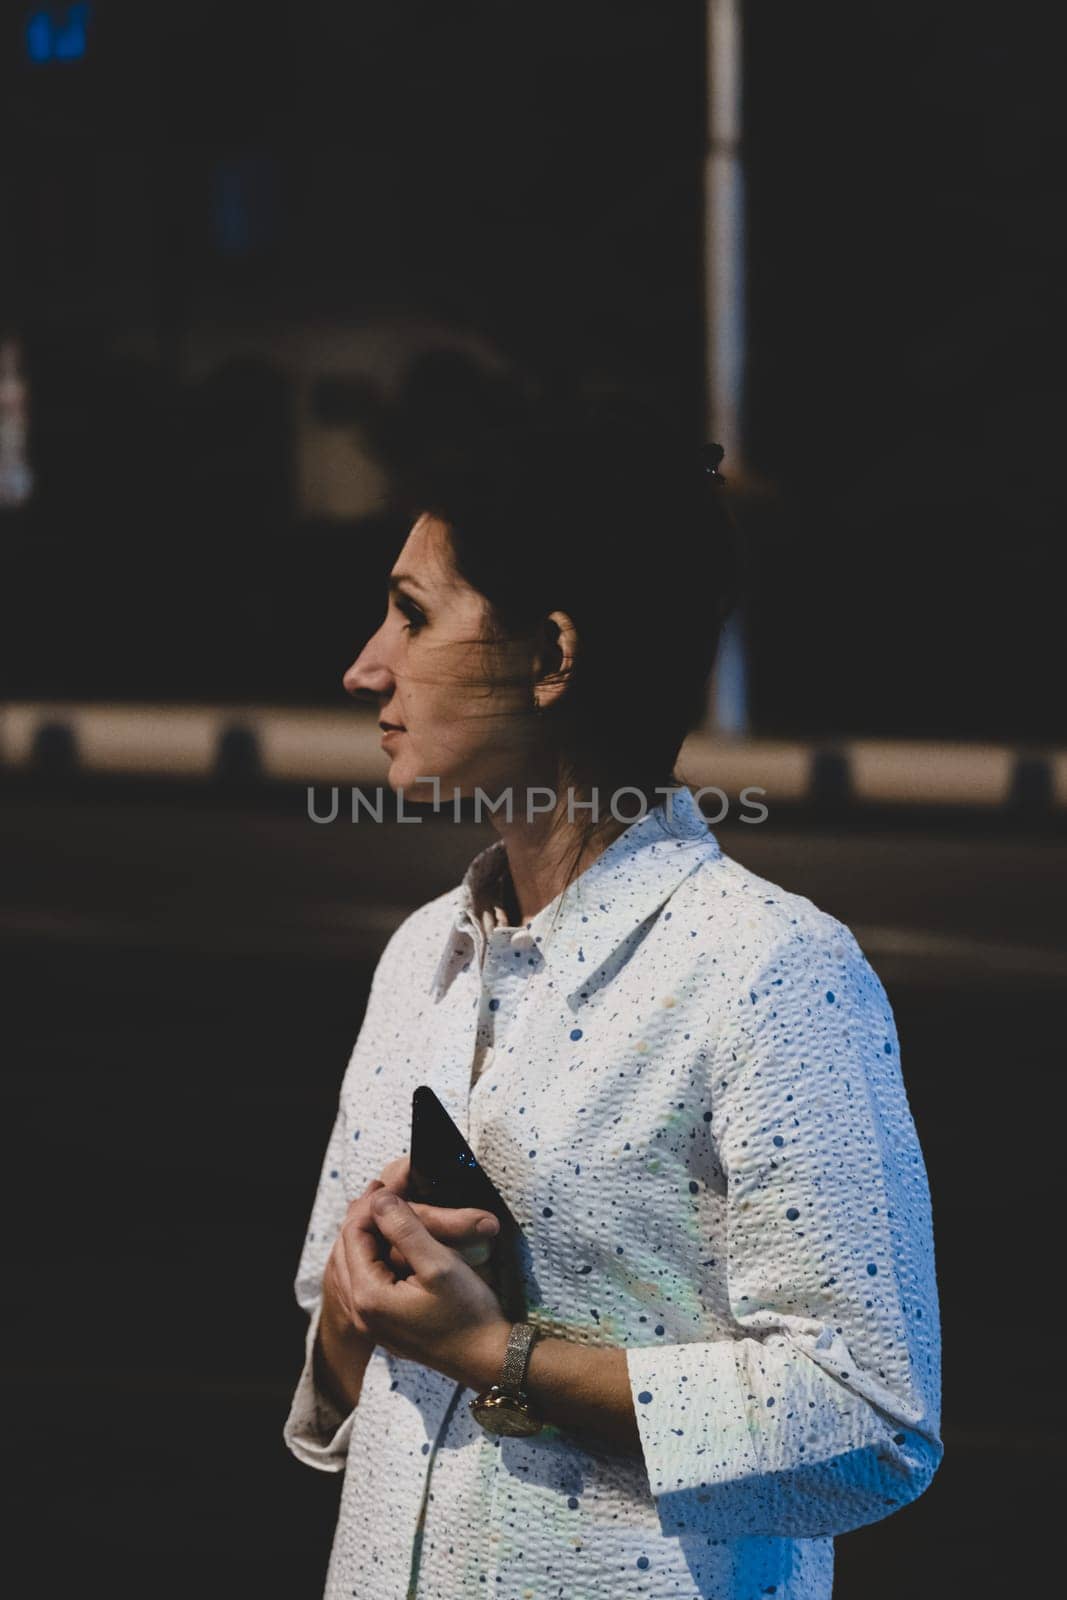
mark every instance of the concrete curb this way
{"type": "Point", "coordinates": [248, 743]}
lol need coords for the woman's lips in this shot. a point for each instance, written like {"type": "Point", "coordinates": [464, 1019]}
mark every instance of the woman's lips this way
{"type": "Point", "coordinates": [391, 733]}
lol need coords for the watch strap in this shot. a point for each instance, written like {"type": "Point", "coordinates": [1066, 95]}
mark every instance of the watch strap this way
{"type": "Point", "coordinates": [517, 1357]}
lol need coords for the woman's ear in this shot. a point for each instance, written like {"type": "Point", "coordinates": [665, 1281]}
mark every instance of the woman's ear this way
{"type": "Point", "coordinates": [554, 662]}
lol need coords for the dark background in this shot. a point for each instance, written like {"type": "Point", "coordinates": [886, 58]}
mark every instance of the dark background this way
{"type": "Point", "coordinates": [245, 251]}
{"type": "Point", "coordinates": [217, 202]}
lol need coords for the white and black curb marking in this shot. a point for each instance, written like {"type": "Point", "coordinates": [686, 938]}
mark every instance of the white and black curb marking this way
{"type": "Point", "coordinates": [248, 745]}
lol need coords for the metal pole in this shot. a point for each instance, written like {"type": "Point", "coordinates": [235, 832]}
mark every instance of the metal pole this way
{"type": "Point", "coordinates": [724, 280]}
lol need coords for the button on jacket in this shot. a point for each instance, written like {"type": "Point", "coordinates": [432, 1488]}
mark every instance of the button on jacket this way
{"type": "Point", "coordinates": [688, 1090]}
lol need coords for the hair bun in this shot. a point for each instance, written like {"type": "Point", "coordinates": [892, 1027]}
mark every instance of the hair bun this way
{"type": "Point", "coordinates": [713, 454]}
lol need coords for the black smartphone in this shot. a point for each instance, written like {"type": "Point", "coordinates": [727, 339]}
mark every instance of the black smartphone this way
{"type": "Point", "coordinates": [446, 1172]}
{"type": "Point", "coordinates": [444, 1169]}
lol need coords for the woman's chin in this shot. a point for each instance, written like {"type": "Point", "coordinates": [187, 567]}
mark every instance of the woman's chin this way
{"type": "Point", "coordinates": [404, 775]}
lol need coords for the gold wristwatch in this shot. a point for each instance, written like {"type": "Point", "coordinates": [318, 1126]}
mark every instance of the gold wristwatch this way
{"type": "Point", "coordinates": [504, 1408]}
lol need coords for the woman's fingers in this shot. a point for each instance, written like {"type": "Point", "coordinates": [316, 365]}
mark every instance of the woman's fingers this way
{"type": "Point", "coordinates": [399, 1226]}
{"type": "Point", "coordinates": [475, 1254]}
{"type": "Point", "coordinates": [362, 1201]}
{"type": "Point", "coordinates": [470, 1231]}
{"type": "Point", "coordinates": [396, 1175]}
{"type": "Point", "coordinates": [457, 1225]}
{"type": "Point", "coordinates": [466, 1228]}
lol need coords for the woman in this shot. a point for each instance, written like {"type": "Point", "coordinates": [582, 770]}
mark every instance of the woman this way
{"type": "Point", "coordinates": [683, 1079]}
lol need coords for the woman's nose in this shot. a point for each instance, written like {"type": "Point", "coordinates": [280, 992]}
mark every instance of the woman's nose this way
{"type": "Point", "coordinates": [368, 675]}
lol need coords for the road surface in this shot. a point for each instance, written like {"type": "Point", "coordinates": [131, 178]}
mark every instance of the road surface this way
{"type": "Point", "coordinates": [186, 975]}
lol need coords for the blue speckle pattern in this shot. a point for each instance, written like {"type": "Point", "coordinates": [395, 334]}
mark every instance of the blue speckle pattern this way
{"type": "Point", "coordinates": [707, 1068]}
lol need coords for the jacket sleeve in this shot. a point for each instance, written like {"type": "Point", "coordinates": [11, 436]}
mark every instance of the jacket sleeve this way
{"type": "Point", "coordinates": [822, 1412]}
{"type": "Point", "coordinates": [315, 1431]}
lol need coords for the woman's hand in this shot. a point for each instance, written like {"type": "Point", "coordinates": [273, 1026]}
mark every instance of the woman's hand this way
{"type": "Point", "coordinates": [459, 1227]}
{"type": "Point", "coordinates": [454, 1225]}
{"type": "Point", "coordinates": [442, 1314]}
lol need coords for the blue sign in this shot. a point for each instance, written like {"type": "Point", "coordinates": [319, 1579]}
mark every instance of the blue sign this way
{"type": "Point", "coordinates": [57, 33]}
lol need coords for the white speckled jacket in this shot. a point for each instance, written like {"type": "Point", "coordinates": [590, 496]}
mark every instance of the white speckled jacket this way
{"type": "Point", "coordinates": [689, 1093]}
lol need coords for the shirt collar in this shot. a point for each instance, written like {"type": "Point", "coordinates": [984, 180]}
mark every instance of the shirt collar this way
{"type": "Point", "coordinates": [623, 887]}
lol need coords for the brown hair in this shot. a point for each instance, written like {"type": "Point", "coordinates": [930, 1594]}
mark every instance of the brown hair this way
{"type": "Point", "coordinates": [622, 525]}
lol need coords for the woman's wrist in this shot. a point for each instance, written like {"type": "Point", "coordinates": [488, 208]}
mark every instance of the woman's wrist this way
{"type": "Point", "coordinates": [341, 1354]}
{"type": "Point", "coordinates": [481, 1361]}
{"type": "Point", "coordinates": [335, 1323]}
{"type": "Point", "coordinates": [574, 1388]}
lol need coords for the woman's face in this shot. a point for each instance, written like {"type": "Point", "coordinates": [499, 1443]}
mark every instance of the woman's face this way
{"type": "Point", "coordinates": [454, 718]}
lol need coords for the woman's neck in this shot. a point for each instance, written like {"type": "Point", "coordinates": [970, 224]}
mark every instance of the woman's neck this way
{"type": "Point", "coordinates": [540, 854]}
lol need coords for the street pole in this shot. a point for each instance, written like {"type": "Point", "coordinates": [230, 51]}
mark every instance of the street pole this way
{"type": "Point", "coordinates": [724, 316]}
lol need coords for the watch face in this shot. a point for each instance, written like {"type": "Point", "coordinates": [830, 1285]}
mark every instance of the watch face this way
{"type": "Point", "coordinates": [505, 1415]}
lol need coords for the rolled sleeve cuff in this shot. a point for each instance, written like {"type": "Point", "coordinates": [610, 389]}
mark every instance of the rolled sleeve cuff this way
{"type": "Point", "coordinates": [747, 1439]}
{"type": "Point", "coordinates": [315, 1431]}
{"type": "Point", "coordinates": [691, 1417]}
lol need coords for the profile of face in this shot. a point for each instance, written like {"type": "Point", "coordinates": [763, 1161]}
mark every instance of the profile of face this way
{"type": "Point", "coordinates": [451, 705]}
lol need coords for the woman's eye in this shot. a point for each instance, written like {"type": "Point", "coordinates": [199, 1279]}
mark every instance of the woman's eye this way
{"type": "Point", "coordinates": [416, 618]}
